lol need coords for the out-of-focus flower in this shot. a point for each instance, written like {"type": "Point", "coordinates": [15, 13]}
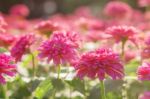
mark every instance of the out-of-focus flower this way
{"type": "Point", "coordinates": [143, 3]}
{"type": "Point", "coordinates": [117, 9]}
{"type": "Point", "coordinates": [145, 95]}
{"type": "Point", "coordinates": [21, 46]}
{"type": "Point", "coordinates": [129, 55]}
{"type": "Point", "coordinates": [47, 27]}
{"type": "Point", "coordinates": [2, 24]}
{"type": "Point", "coordinates": [6, 39]}
{"type": "Point", "coordinates": [123, 33]}
{"type": "Point", "coordinates": [143, 72]}
{"type": "Point", "coordinates": [145, 53]}
{"type": "Point", "coordinates": [6, 67]}
{"type": "Point", "coordinates": [61, 48]}
{"type": "Point", "coordinates": [19, 10]}
{"type": "Point", "coordinates": [99, 63]}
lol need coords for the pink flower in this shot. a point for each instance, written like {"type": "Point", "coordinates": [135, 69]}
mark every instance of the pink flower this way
{"type": "Point", "coordinates": [145, 53]}
{"type": "Point", "coordinates": [21, 46]}
{"type": "Point", "coordinates": [6, 39]}
{"type": "Point", "coordinates": [117, 9]}
{"type": "Point", "coordinates": [123, 33]}
{"type": "Point", "coordinates": [143, 72]}
{"type": "Point", "coordinates": [2, 24]}
{"type": "Point", "coordinates": [6, 67]}
{"type": "Point", "coordinates": [99, 63]}
{"type": "Point", "coordinates": [145, 95]}
{"type": "Point", "coordinates": [61, 48]}
{"type": "Point", "coordinates": [19, 10]}
{"type": "Point", "coordinates": [47, 27]}
{"type": "Point", "coordinates": [143, 3]}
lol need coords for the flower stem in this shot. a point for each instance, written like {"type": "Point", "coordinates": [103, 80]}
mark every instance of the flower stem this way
{"type": "Point", "coordinates": [122, 47]}
{"type": "Point", "coordinates": [33, 65]}
{"type": "Point", "coordinates": [102, 90]}
{"type": "Point", "coordinates": [59, 69]}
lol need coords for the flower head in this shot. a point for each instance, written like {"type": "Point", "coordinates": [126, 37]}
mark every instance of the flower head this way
{"type": "Point", "coordinates": [117, 9]}
{"type": "Point", "coordinates": [19, 10]}
{"type": "Point", "coordinates": [61, 47]}
{"type": "Point", "coordinates": [6, 39]}
{"type": "Point", "coordinates": [99, 63]}
{"type": "Point", "coordinates": [21, 46]}
{"type": "Point", "coordinates": [47, 27]}
{"type": "Point", "coordinates": [120, 33]}
{"type": "Point", "coordinates": [6, 67]}
{"type": "Point", "coordinates": [143, 72]}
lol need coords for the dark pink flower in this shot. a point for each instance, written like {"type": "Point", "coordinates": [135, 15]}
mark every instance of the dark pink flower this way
{"type": "Point", "coordinates": [21, 46]}
{"type": "Point", "coordinates": [145, 95]}
{"type": "Point", "coordinates": [6, 67]}
{"type": "Point", "coordinates": [19, 10]}
{"type": "Point", "coordinates": [123, 33]}
{"type": "Point", "coordinates": [60, 48]}
{"type": "Point", "coordinates": [99, 63]}
{"type": "Point", "coordinates": [117, 9]}
{"type": "Point", "coordinates": [143, 72]}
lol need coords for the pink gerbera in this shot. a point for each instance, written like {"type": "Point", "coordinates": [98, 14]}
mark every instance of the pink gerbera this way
{"type": "Point", "coordinates": [143, 72]}
{"type": "Point", "coordinates": [6, 67]}
{"type": "Point", "coordinates": [61, 48]}
{"type": "Point", "coordinates": [99, 63]}
{"type": "Point", "coordinates": [117, 9]}
{"type": "Point", "coordinates": [21, 46]}
{"type": "Point", "coordinates": [123, 33]}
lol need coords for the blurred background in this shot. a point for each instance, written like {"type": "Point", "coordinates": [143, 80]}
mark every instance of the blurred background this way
{"type": "Point", "coordinates": [43, 8]}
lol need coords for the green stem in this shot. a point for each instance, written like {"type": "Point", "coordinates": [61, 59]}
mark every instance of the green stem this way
{"type": "Point", "coordinates": [102, 90]}
{"type": "Point", "coordinates": [122, 47]}
{"type": "Point", "coordinates": [59, 69]}
{"type": "Point", "coordinates": [33, 65]}
{"type": "Point", "coordinates": [4, 87]}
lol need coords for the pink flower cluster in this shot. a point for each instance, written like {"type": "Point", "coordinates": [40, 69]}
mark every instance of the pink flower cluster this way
{"type": "Point", "coordinates": [61, 48]}
{"type": "Point", "coordinates": [21, 46]}
{"type": "Point", "coordinates": [99, 63]}
{"type": "Point", "coordinates": [6, 67]}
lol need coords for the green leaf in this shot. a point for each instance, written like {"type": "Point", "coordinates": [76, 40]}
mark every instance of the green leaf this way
{"type": "Point", "coordinates": [43, 88]}
{"type": "Point", "coordinates": [77, 84]}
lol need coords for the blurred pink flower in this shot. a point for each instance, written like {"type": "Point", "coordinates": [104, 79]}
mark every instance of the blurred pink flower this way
{"type": "Point", "coordinates": [61, 48]}
{"type": "Point", "coordinates": [21, 46]}
{"type": "Point", "coordinates": [143, 72]}
{"type": "Point", "coordinates": [6, 39]}
{"type": "Point", "coordinates": [123, 33]}
{"type": "Point", "coordinates": [47, 27]}
{"type": "Point", "coordinates": [117, 9]}
{"type": "Point", "coordinates": [99, 63]}
{"type": "Point", "coordinates": [145, 95]}
{"type": "Point", "coordinates": [19, 10]}
{"type": "Point", "coordinates": [6, 67]}
{"type": "Point", "coordinates": [143, 3]}
{"type": "Point", "coordinates": [2, 24]}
